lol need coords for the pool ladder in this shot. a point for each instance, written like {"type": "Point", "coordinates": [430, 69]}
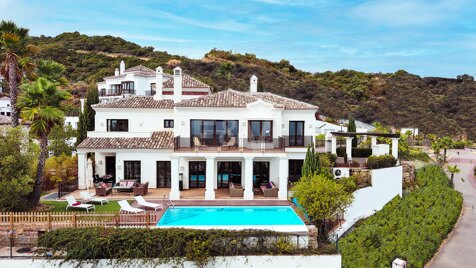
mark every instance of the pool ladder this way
{"type": "Point", "coordinates": [169, 203]}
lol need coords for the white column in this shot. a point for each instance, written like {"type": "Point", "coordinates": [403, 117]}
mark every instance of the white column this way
{"type": "Point", "coordinates": [283, 179]}
{"type": "Point", "coordinates": [328, 143]}
{"type": "Point", "coordinates": [82, 169]}
{"type": "Point", "coordinates": [248, 195]}
{"type": "Point", "coordinates": [210, 178]}
{"type": "Point", "coordinates": [174, 184]}
{"type": "Point", "coordinates": [395, 147]}
{"type": "Point", "coordinates": [334, 144]}
{"type": "Point", "coordinates": [348, 147]}
{"type": "Point", "coordinates": [373, 140]}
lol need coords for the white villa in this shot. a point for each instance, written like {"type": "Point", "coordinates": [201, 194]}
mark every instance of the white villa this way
{"type": "Point", "coordinates": [142, 81]}
{"type": "Point", "coordinates": [184, 137]}
{"type": "Point", "coordinates": [5, 108]}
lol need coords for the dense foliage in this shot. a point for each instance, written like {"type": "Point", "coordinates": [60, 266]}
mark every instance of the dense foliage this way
{"type": "Point", "coordinates": [17, 158]}
{"type": "Point", "coordinates": [434, 105]}
{"type": "Point", "coordinates": [126, 245]}
{"type": "Point", "coordinates": [356, 152]}
{"type": "Point", "coordinates": [59, 169]}
{"type": "Point", "coordinates": [410, 228]}
{"type": "Point", "coordinates": [382, 161]}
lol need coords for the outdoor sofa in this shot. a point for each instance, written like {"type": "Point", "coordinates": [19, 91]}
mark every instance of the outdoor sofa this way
{"type": "Point", "coordinates": [125, 186]}
{"type": "Point", "coordinates": [103, 189]}
{"type": "Point", "coordinates": [236, 190]}
{"type": "Point", "coordinates": [269, 189]}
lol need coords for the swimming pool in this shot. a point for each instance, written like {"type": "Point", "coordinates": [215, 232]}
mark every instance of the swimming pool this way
{"type": "Point", "coordinates": [276, 218]}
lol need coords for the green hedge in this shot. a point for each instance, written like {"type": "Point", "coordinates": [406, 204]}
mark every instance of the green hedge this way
{"type": "Point", "coordinates": [411, 228]}
{"type": "Point", "coordinates": [356, 152]}
{"type": "Point", "coordinates": [383, 161]}
{"type": "Point", "coordinates": [166, 244]}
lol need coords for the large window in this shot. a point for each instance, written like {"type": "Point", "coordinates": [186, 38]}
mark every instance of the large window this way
{"type": "Point", "coordinates": [128, 87]}
{"type": "Point", "coordinates": [152, 89]}
{"type": "Point", "coordinates": [117, 125]}
{"type": "Point", "coordinates": [296, 133]}
{"type": "Point", "coordinates": [295, 170]}
{"type": "Point", "coordinates": [115, 89]}
{"type": "Point", "coordinates": [214, 132]}
{"type": "Point", "coordinates": [228, 172]}
{"type": "Point", "coordinates": [163, 174]}
{"type": "Point", "coordinates": [132, 170]}
{"type": "Point", "coordinates": [260, 130]}
{"type": "Point", "coordinates": [197, 171]}
{"type": "Point", "coordinates": [102, 92]}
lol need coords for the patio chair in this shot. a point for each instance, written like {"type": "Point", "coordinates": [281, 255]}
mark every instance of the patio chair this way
{"type": "Point", "coordinates": [125, 206]}
{"type": "Point", "coordinates": [236, 190]}
{"type": "Point", "coordinates": [141, 201]}
{"type": "Point", "coordinates": [229, 144]}
{"type": "Point", "coordinates": [72, 203]}
{"type": "Point", "coordinates": [88, 197]}
{"type": "Point", "coordinates": [197, 143]}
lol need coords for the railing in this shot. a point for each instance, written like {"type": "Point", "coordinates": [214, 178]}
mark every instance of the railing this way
{"type": "Point", "coordinates": [232, 144]}
{"type": "Point", "coordinates": [56, 220]}
{"type": "Point", "coordinates": [67, 187]}
{"type": "Point", "coordinates": [298, 141]}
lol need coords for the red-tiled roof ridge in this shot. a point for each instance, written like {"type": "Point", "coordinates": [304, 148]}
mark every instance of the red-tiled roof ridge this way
{"type": "Point", "coordinates": [137, 102]}
{"type": "Point", "coordinates": [187, 82]}
{"type": "Point", "coordinates": [158, 140]}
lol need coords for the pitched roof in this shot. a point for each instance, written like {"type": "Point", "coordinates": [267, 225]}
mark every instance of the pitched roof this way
{"type": "Point", "coordinates": [237, 99]}
{"type": "Point", "coordinates": [115, 76]}
{"type": "Point", "coordinates": [5, 120]}
{"type": "Point", "coordinates": [137, 102]}
{"type": "Point", "coordinates": [158, 140]}
{"type": "Point", "coordinates": [187, 82]}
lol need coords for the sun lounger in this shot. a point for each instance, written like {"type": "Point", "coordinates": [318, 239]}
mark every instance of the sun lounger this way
{"type": "Point", "coordinates": [89, 198]}
{"type": "Point", "coordinates": [141, 201]}
{"type": "Point", "coordinates": [72, 203]}
{"type": "Point", "coordinates": [125, 206]}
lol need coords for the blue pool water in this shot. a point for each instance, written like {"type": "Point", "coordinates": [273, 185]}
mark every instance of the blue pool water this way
{"type": "Point", "coordinates": [227, 216]}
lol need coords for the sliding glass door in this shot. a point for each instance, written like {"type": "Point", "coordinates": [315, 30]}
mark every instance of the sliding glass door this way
{"type": "Point", "coordinates": [228, 172]}
{"type": "Point", "coordinates": [163, 174]}
{"type": "Point", "coordinates": [296, 133]}
{"type": "Point", "coordinates": [132, 170]}
{"type": "Point", "coordinates": [214, 132]}
{"type": "Point", "coordinates": [197, 171]}
{"type": "Point", "coordinates": [260, 173]}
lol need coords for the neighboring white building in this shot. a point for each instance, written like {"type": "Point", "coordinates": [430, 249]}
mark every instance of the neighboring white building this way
{"type": "Point", "coordinates": [247, 138]}
{"type": "Point", "coordinates": [413, 131]}
{"type": "Point", "coordinates": [5, 108]}
{"type": "Point", "coordinates": [71, 121]}
{"type": "Point", "coordinates": [142, 81]}
{"type": "Point", "coordinates": [323, 127]}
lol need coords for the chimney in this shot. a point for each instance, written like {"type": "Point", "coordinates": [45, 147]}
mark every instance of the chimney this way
{"type": "Point", "coordinates": [122, 67]}
{"type": "Point", "coordinates": [116, 72]}
{"type": "Point", "coordinates": [159, 80]}
{"type": "Point", "coordinates": [177, 84]}
{"type": "Point", "coordinates": [253, 84]}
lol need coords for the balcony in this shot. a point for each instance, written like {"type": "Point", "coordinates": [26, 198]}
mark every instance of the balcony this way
{"type": "Point", "coordinates": [297, 141]}
{"type": "Point", "coordinates": [233, 144]}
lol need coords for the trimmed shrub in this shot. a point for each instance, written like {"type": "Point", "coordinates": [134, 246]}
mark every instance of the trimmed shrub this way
{"type": "Point", "coordinates": [383, 161]}
{"type": "Point", "coordinates": [411, 228]}
{"type": "Point", "coordinates": [356, 152]}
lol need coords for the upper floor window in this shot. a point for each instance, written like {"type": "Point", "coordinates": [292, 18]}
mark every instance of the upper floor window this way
{"type": "Point", "coordinates": [152, 89]}
{"type": "Point", "coordinates": [260, 130]}
{"type": "Point", "coordinates": [128, 87]}
{"type": "Point", "coordinates": [115, 89]}
{"type": "Point", "coordinates": [102, 92]}
{"type": "Point", "coordinates": [117, 125]}
{"type": "Point", "coordinates": [168, 123]}
{"type": "Point", "coordinates": [296, 133]}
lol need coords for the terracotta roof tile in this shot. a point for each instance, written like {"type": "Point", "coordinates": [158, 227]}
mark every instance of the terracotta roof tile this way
{"type": "Point", "coordinates": [137, 102]}
{"type": "Point", "coordinates": [237, 99]}
{"type": "Point", "coordinates": [5, 120]}
{"type": "Point", "coordinates": [159, 140]}
{"type": "Point", "coordinates": [187, 82]}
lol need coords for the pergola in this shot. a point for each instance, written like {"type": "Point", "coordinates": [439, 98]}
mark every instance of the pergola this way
{"type": "Point", "coordinates": [331, 141]}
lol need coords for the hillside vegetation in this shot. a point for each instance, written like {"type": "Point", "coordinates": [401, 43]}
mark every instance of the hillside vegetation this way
{"type": "Point", "coordinates": [435, 105]}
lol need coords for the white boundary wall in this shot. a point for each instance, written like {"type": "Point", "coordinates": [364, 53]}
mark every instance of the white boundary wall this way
{"type": "Point", "coordinates": [386, 184]}
{"type": "Point", "coordinates": [314, 261]}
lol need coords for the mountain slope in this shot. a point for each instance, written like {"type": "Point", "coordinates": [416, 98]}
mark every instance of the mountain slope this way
{"type": "Point", "coordinates": [435, 105]}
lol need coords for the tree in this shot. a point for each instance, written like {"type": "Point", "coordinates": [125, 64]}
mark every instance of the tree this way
{"type": "Point", "coordinates": [453, 170]}
{"type": "Point", "coordinates": [42, 105]}
{"type": "Point", "coordinates": [445, 143]}
{"type": "Point", "coordinates": [351, 127]}
{"type": "Point", "coordinates": [17, 159]}
{"type": "Point", "coordinates": [82, 129]}
{"type": "Point", "coordinates": [60, 138]}
{"type": "Point", "coordinates": [14, 52]}
{"type": "Point", "coordinates": [92, 97]}
{"type": "Point", "coordinates": [52, 71]}
{"type": "Point", "coordinates": [321, 198]}
{"type": "Point", "coordinates": [311, 163]}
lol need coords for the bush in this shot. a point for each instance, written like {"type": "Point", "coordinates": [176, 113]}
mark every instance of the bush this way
{"type": "Point", "coordinates": [349, 183]}
{"type": "Point", "coordinates": [383, 161]}
{"type": "Point", "coordinates": [410, 228]}
{"type": "Point", "coordinates": [175, 245]}
{"type": "Point", "coordinates": [356, 152]}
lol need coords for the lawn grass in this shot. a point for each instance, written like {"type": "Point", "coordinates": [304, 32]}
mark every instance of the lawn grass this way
{"type": "Point", "coordinates": [60, 206]}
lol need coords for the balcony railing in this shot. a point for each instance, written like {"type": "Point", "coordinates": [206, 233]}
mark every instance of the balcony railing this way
{"type": "Point", "coordinates": [298, 141]}
{"type": "Point", "coordinates": [231, 144]}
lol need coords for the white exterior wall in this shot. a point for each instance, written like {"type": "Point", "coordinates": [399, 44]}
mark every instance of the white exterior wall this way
{"type": "Point", "coordinates": [5, 108]}
{"type": "Point", "coordinates": [282, 261]}
{"type": "Point", "coordinates": [140, 120]}
{"type": "Point", "coordinates": [386, 184]}
{"type": "Point", "coordinates": [72, 121]}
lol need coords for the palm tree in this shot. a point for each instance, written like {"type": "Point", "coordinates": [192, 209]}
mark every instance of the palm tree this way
{"type": "Point", "coordinates": [52, 71]}
{"type": "Point", "coordinates": [445, 143]}
{"type": "Point", "coordinates": [453, 170]}
{"type": "Point", "coordinates": [41, 104]}
{"type": "Point", "coordinates": [14, 52]}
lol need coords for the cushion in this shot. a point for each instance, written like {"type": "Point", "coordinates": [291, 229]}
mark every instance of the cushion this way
{"type": "Point", "coordinates": [130, 183]}
{"type": "Point", "coordinates": [103, 185]}
{"type": "Point", "coordinates": [269, 185]}
{"type": "Point", "coordinates": [77, 204]}
{"type": "Point", "coordinates": [123, 183]}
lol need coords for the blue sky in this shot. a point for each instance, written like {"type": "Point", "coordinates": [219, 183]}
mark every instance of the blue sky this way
{"type": "Point", "coordinates": [429, 38]}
